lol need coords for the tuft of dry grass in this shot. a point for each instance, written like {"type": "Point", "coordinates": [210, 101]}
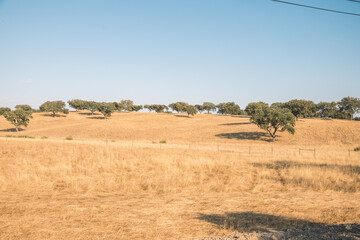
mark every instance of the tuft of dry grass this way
{"type": "Point", "coordinates": [214, 176]}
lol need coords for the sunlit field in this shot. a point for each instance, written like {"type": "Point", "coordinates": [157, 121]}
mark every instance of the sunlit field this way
{"type": "Point", "coordinates": [167, 176]}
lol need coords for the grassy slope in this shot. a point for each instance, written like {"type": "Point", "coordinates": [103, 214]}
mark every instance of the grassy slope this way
{"type": "Point", "coordinates": [178, 128]}
{"type": "Point", "coordinates": [58, 190]}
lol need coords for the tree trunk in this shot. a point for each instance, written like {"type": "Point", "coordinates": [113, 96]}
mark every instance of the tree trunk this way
{"type": "Point", "coordinates": [53, 114]}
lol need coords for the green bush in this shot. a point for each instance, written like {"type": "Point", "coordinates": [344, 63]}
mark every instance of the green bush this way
{"type": "Point", "coordinates": [21, 136]}
{"type": "Point", "coordinates": [69, 138]}
{"type": "Point", "coordinates": [357, 149]}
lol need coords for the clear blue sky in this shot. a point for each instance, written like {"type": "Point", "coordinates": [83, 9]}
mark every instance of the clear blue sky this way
{"type": "Point", "coordinates": [161, 51]}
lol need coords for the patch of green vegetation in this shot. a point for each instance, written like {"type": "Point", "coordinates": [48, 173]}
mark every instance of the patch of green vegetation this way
{"type": "Point", "coordinates": [69, 138]}
{"type": "Point", "coordinates": [44, 137]}
{"type": "Point", "coordinates": [21, 136]}
{"type": "Point", "coordinates": [357, 149]}
{"type": "Point", "coordinates": [163, 141]}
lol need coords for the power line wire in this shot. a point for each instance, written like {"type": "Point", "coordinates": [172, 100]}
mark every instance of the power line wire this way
{"type": "Point", "coordinates": [317, 8]}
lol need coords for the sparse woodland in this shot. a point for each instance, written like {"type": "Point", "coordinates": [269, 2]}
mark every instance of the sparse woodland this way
{"type": "Point", "coordinates": [274, 118]}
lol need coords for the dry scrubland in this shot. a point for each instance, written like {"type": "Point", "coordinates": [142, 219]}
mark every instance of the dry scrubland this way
{"type": "Point", "coordinates": [115, 181]}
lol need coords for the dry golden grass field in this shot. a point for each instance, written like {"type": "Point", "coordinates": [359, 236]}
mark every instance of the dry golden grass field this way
{"type": "Point", "coordinates": [214, 175]}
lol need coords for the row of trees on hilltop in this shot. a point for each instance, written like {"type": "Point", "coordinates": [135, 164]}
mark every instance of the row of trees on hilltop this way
{"type": "Point", "coordinates": [92, 106]}
{"type": "Point", "coordinates": [179, 107]}
{"type": "Point", "coordinates": [344, 109]}
{"type": "Point", "coordinates": [282, 116]}
{"type": "Point", "coordinates": [272, 118]}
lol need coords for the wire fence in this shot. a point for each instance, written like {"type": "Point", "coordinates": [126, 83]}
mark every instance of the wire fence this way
{"type": "Point", "coordinates": [322, 152]}
{"type": "Point", "coordinates": [256, 150]}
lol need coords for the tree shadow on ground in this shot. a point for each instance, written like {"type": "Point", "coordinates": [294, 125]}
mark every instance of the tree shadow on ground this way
{"type": "Point", "coordinates": [250, 221]}
{"type": "Point", "coordinates": [182, 116]}
{"type": "Point", "coordinates": [12, 130]}
{"type": "Point", "coordinates": [88, 114]}
{"type": "Point", "coordinates": [96, 118]}
{"type": "Point", "coordinates": [50, 115]}
{"type": "Point", "coordinates": [234, 124]}
{"type": "Point", "coordinates": [246, 136]}
{"type": "Point", "coordinates": [282, 168]}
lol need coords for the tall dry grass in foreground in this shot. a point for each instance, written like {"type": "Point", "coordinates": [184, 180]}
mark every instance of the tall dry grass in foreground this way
{"type": "Point", "coordinates": [51, 190]}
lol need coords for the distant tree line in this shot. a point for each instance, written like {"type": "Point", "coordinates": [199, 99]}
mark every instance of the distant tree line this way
{"type": "Point", "coordinates": [272, 118]}
{"type": "Point", "coordinates": [344, 109]}
{"type": "Point", "coordinates": [282, 116]}
{"type": "Point", "coordinates": [179, 107]}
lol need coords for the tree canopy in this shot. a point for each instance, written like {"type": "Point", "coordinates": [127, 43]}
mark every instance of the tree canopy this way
{"type": "Point", "coordinates": [209, 106]}
{"type": "Point", "coordinates": [229, 108]}
{"type": "Point", "coordinates": [159, 108]}
{"type": "Point", "coordinates": [91, 106]}
{"type": "Point", "coordinates": [327, 109]}
{"type": "Point", "coordinates": [124, 105]}
{"type": "Point", "coordinates": [54, 107]}
{"type": "Point", "coordinates": [253, 107]}
{"type": "Point", "coordinates": [191, 110]}
{"type": "Point", "coordinates": [136, 108]}
{"type": "Point", "coordinates": [3, 110]}
{"type": "Point", "coordinates": [273, 119]}
{"type": "Point", "coordinates": [18, 118]}
{"type": "Point", "coordinates": [106, 109]}
{"type": "Point", "coordinates": [301, 108]}
{"type": "Point", "coordinates": [24, 107]}
{"type": "Point", "coordinates": [348, 106]}
{"type": "Point", "coordinates": [77, 104]}
{"type": "Point", "coordinates": [179, 107]}
{"type": "Point", "coordinates": [199, 108]}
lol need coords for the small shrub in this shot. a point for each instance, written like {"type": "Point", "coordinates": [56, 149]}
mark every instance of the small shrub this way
{"type": "Point", "coordinates": [357, 149]}
{"type": "Point", "coordinates": [26, 137]}
{"type": "Point", "coordinates": [44, 137]}
{"type": "Point", "coordinates": [163, 141]}
{"type": "Point", "coordinates": [69, 138]}
{"type": "Point", "coordinates": [21, 136]}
